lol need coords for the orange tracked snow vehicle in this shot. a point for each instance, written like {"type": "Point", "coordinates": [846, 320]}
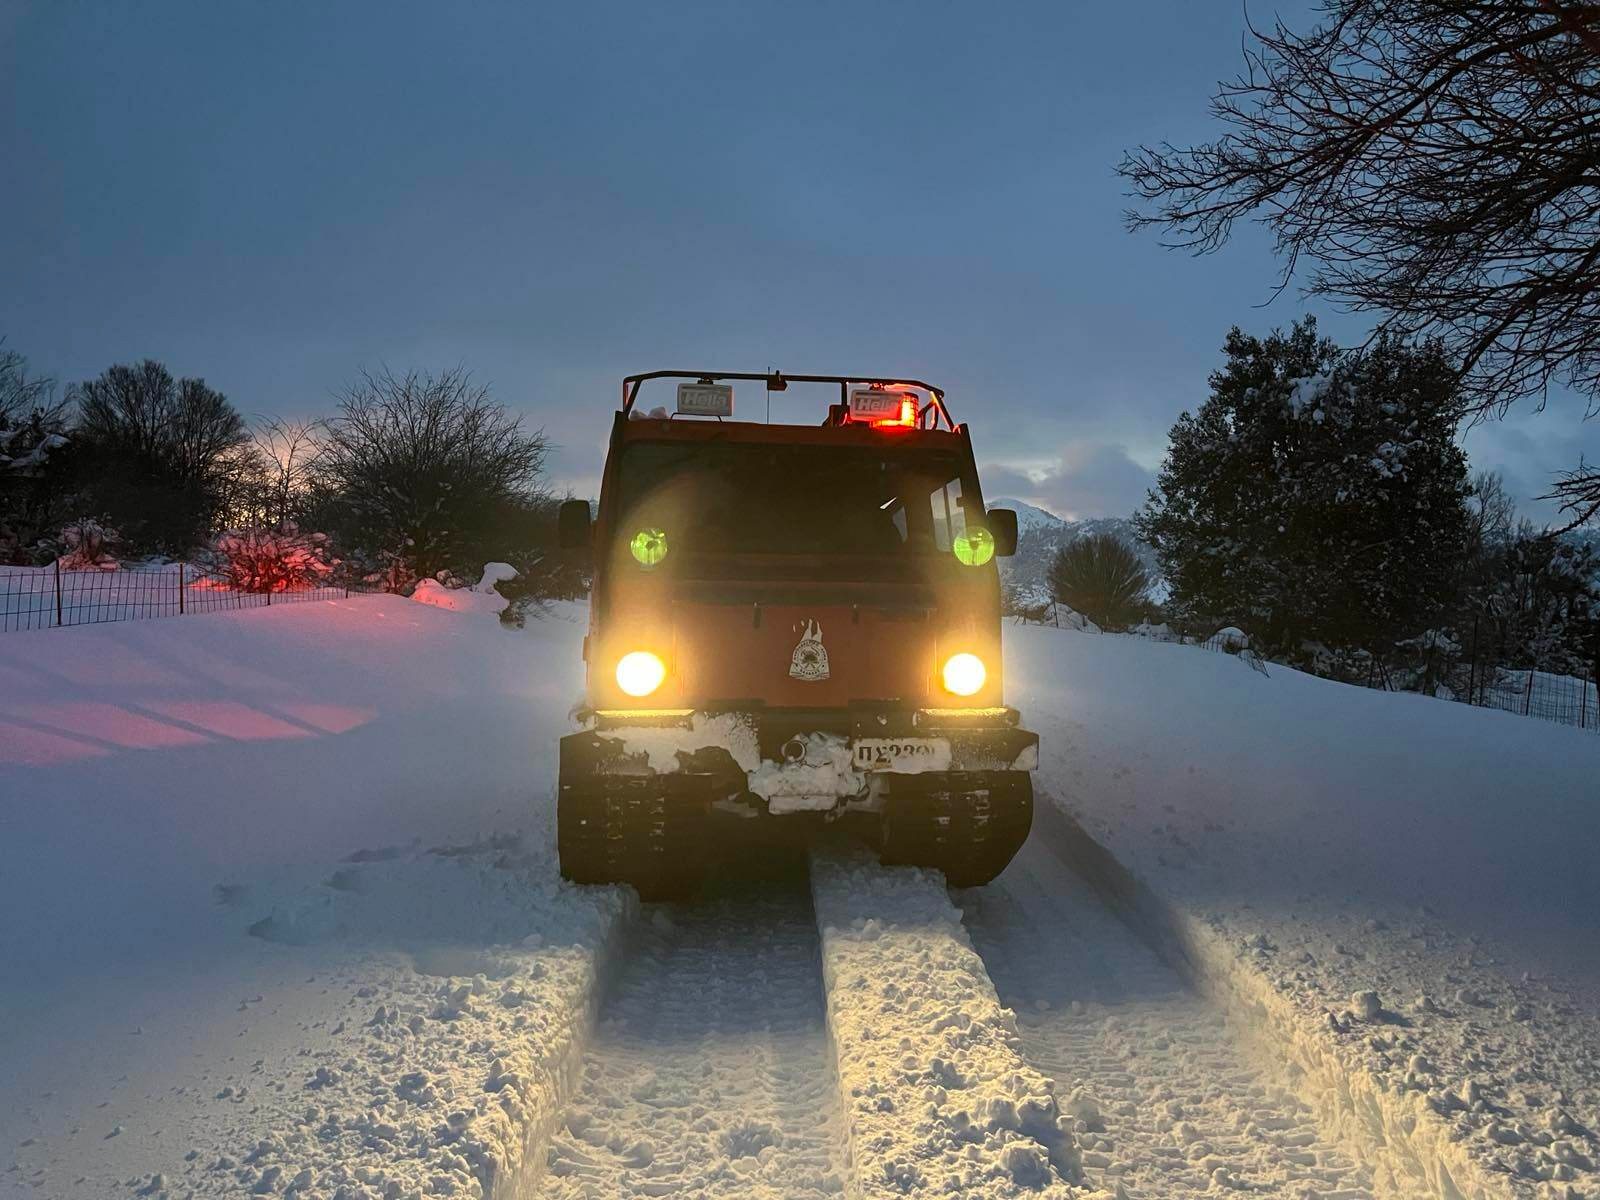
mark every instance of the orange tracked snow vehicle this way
{"type": "Point", "coordinates": [791, 624]}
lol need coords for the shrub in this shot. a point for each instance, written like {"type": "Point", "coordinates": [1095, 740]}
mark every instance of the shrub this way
{"type": "Point", "coordinates": [1102, 578]}
{"type": "Point", "coordinates": [277, 558]}
{"type": "Point", "coordinates": [88, 545]}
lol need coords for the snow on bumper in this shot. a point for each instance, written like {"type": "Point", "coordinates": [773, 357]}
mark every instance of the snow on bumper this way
{"type": "Point", "coordinates": [792, 767]}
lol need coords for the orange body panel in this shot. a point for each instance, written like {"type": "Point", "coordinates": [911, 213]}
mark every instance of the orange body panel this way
{"type": "Point", "coordinates": [730, 636]}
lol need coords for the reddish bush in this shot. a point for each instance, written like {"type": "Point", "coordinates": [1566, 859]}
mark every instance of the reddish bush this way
{"type": "Point", "coordinates": [275, 558]}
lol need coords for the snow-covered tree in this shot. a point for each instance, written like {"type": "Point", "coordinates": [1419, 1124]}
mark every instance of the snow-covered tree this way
{"type": "Point", "coordinates": [35, 469]}
{"type": "Point", "coordinates": [1317, 496]}
{"type": "Point", "coordinates": [1542, 607]}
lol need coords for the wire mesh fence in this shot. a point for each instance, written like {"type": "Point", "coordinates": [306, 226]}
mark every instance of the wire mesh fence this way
{"type": "Point", "coordinates": [1565, 699]}
{"type": "Point", "coordinates": [48, 597]}
{"type": "Point", "coordinates": [1449, 671]}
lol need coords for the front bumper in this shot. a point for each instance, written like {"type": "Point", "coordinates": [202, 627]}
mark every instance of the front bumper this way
{"type": "Point", "coordinates": [784, 761]}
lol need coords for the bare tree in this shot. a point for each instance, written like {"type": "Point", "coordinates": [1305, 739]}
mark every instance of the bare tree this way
{"type": "Point", "coordinates": [1578, 492]}
{"type": "Point", "coordinates": [181, 427]}
{"type": "Point", "coordinates": [428, 469]}
{"type": "Point", "coordinates": [20, 394]}
{"type": "Point", "coordinates": [284, 455]}
{"type": "Point", "coordinates": [1439, 162]}
{"type": "Point", "coordinates": [1492, 512]}
{"type": "Point", "coordinates": [159, 455]}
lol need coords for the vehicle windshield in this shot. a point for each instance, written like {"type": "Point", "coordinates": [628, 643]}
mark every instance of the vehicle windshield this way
{"type": "Point", "coordinates": [737, 498]}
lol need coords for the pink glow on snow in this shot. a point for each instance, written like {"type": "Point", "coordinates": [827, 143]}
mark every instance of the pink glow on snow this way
{"type": "Point", "coordinates": [230, 719]}
{"type": "Point", "coordinates": [67, 731]}
{"type": "Point", "coordinates": [122, 727]}
{"type": "Point", "coordinates": [330, 718]}
{"type": "Point", "coordinates": [25, 745]}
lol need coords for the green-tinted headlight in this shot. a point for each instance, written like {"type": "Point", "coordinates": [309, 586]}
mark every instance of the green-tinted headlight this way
{"type": "Point", "coordinates": [974, 547]}
{"type": "Point", "coordinates": [649, 546]}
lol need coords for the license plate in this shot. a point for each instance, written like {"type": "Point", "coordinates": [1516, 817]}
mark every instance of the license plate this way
{"type": "Point", "coordinates": [902, 754]}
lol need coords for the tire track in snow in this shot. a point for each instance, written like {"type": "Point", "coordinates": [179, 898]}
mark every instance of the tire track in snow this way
{"type": "Point", "coordinates": [710, 1072]}
{"type": "Point", "coordinates": [1165, 1101]}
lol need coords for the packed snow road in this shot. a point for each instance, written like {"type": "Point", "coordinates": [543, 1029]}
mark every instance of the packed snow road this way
{"type": "Point", "coordinates": [713, 1071]}
{"type": "Point", "coordinates": [709, 1072]}
{"type": "Point", "coordinates": [1163, 1099]}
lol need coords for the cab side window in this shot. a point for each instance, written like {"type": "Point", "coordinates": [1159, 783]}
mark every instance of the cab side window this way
{"type": "Point", "coordinates": [949, 518]}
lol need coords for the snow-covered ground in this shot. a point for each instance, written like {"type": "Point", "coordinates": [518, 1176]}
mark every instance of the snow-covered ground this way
{"type": "Point", "coordinates": [1401, 892]}
{"type": "Point", "coordinates": [363, 786]}
{"type": "Point", "coordinates": [279, 915]}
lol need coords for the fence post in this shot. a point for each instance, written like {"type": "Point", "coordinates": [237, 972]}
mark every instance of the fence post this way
{"type": "Point", "coordinates": [180, 589]}
{"type": "Point", "coordinates": [1472, 671]}
{"type": "Point", "coordinates": [58, 591]}
{"type": "Point", "coordinates": [1527, 703]}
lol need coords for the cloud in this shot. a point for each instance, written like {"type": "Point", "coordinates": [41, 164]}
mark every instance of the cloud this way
{"type": "Point", "coordinates": [1529, 449]}
{"type": "Point", "coordinates": [1088, 479]}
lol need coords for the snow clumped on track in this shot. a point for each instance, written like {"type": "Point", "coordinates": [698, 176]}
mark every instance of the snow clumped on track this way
{"type": "Point", "coordinates": [936, 1096]}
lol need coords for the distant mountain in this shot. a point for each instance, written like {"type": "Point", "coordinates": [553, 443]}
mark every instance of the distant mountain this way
{"type": "Point", "coordinates": [1041, 533]}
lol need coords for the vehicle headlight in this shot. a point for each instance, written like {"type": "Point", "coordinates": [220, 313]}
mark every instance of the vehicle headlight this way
{"type": "Point", "coordinates": [964, 674]}
{"type": "Point", "coordinates": [640, 673]}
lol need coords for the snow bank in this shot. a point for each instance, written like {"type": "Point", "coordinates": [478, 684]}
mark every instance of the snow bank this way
{"type": "Point", "coordinates": [481, 598]}
{"type": "Point", "coordinates": [935, 1096]}
{"type": "Point", "coordinates": [1397, 893]}
{"type": "Point", "coordinates": [469, 996]}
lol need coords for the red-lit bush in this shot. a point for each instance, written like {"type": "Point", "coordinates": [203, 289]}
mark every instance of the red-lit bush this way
{"type": "Point", "coordinates": [271, 558]}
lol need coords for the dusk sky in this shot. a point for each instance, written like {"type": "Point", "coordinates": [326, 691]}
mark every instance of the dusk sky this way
{"type": "Point", "coordinates": [274, 197]}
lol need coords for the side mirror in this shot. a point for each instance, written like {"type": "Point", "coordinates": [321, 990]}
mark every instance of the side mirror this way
{"type": "Point", "coordinates": [1003, 527]}
{"type": "Point", "coordinates": [572, 524]}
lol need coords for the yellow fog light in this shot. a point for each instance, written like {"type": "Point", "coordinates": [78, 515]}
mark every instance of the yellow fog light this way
{"type": "Point", "coordinates": [964, 674]}
{"type": "Point", "coordinates": [648, 547]}
{"type": "Point", "coordinates": [974, 547]}
{"type": "Point", "coordinates": [640, 673]}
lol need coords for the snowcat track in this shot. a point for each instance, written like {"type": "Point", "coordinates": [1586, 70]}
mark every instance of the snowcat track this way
{"type": "Point", "coordinates": [1170, 1097]}
{"type": "Point", "coordinates": [710, 1069]}
{"type": "Point", "coordinates": [967, 824]}
{"type": "Point", "coordinates": [634, 830]}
